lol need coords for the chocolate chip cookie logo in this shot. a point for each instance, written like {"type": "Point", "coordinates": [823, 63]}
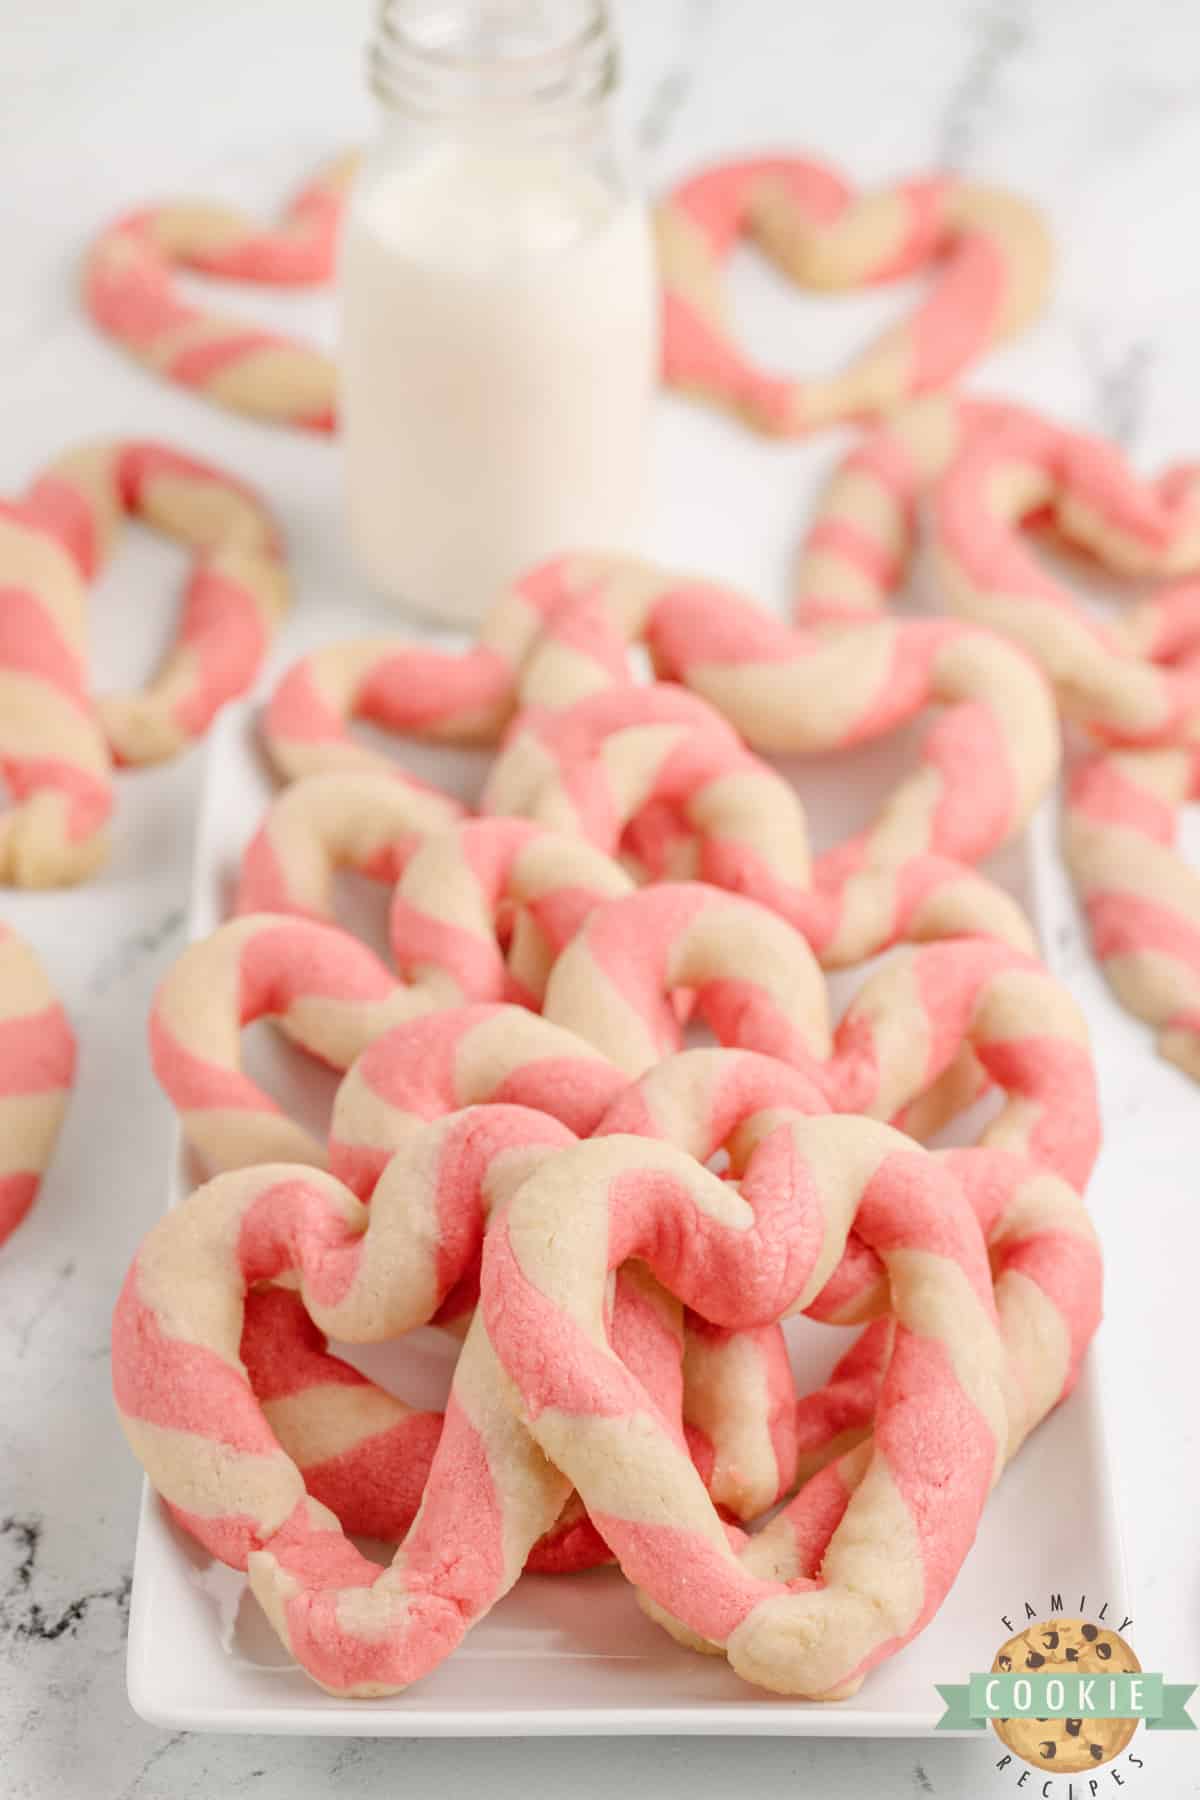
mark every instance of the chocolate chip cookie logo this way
{"type": "Point", "coordinates": [1065, 1696]}
{"type": "Point", "coordinates": [1078, 1647]}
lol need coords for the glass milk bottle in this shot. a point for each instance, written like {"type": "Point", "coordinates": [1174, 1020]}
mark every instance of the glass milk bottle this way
{"type": "Point", "coordinates": [499, 310]}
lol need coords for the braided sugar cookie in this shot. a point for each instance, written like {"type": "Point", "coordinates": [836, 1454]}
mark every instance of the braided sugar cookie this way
{"type": "Point", "coordinates": [481, 908]}
{"type": "Point", "coordinates": [740, 1257]}
{"type": "Point", "coordinates": [37, 1071]}
{"type": "Point", "coordinates": [1141, 898]}
{"type": "Point", "coordinates": [131, 293]}
{"type": "Point", "coordinates": [596, 766]}
{"type": "Point", "coordinates": [992, 245]}
{"type": "Point", "coordinates": [454, 1064]}
{"type": "Point", "coordinates": [54, 746]}
{"type": "Point", "coordinates": [906, 1027]}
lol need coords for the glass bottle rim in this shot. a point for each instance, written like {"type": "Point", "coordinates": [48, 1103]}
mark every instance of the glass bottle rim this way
{"type": "Point", "coordinates": [410, 72]}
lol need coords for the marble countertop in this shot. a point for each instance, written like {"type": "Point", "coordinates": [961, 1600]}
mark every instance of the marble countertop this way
{"type": "Point", "coordinates": [1093, 107]}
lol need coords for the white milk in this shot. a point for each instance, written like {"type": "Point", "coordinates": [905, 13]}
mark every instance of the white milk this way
{"type": "Point", "coordinates": [499, 350]}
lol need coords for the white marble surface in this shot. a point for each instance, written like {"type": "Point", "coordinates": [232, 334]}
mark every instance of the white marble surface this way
{"type": "Point", "coordinates": [1092, 107]}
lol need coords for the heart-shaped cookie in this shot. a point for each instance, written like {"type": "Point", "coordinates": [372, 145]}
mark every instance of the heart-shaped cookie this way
{"type": "Point", "coordinates": [989, 249]}
{"type": "Point", "coordinates": [56, 744]}
{"type": "Point", "coordinates": [132, 295]}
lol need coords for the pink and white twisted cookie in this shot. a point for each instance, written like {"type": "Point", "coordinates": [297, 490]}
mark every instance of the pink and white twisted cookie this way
{"type": "Point", "coordinates": [465, 1056]}
{"type": "Point", "coordinates": [345, 819]}
{"type": "Point", "coordinates": [1048, 1277]}
{"type": "Point", "coordinates": [447, 695]}
{"type": "Point", "coordinates": [742, 1256]}
{"type": "Point", "coordinates": [865, 530]}
{"type": "Point", "coordinates": [194, 1423]}
{"type": "Point", "coordinates": [657, 757]}
{"type": "Point", "coordinates": [481, 908]}
{"type": "Point", "coordinates": [54, 744]}
{"type": "Point", "coordinates": [558, 640]}
{"type": "Point", "coordinates": [37, 1071]}
{"type": "Point", "coordinates": [456, 1063]}
{"type": "Point", "coordinates": [737, 1392]}
{"type": "Point", "coordinates": [366, 1454]}
{"type": "Point", "coordinates": [755, 980]}
{"type": "Point", "coordinates": [1141, 899]}
{"type": "Point", "coordinates": [328, 992]}
{"type": "Point", "coordinates": [907, 1027]}
{"type": "Point", "coordinates": [995, 268]}
{"type": "Point", "coordinates": [131, 293]}
{"type": "Point", "coordinates": [757, 985]}
{"type": "Point", "coordinates": [985, 763]}
{"type": "Point", "coordinates": [1042, 1245]}
{"type": "Point", "coordinates": [997, 484]}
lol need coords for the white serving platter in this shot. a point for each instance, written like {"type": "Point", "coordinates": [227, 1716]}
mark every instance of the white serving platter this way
{"type": "Point", "coordinates": [575, 1655]}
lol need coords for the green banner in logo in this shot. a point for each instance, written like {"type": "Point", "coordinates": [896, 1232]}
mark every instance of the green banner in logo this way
{"type": "Point", "coordinates": [1063, 1694]}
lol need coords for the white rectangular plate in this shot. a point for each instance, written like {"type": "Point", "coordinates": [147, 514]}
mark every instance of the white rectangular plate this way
{"type": "Point", "coordinates": [574, 1654]}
